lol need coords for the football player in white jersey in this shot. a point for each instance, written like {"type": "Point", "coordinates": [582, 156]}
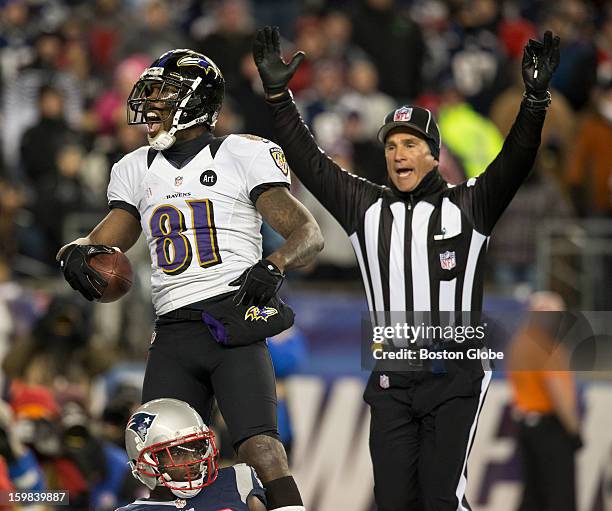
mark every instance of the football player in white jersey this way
{"type": "Point", "coordinates": [200, 201]}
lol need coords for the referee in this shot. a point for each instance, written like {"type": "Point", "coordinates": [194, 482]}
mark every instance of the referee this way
{"type": "Point", "coordinates": [421, 245]}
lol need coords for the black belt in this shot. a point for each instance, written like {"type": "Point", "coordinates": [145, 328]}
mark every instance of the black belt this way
{"type": "Point", "coordinates": [183, 314]}
{"type": "Point", "coordinates": [193, 311]}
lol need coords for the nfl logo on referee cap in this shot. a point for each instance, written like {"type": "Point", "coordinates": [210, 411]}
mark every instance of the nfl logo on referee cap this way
{"type": "Point", "coordinates": [384, 381]}
{"type": "Point", "coordinates": [447, 260]}
{"type": "Point", "coordinates": [402, 114]}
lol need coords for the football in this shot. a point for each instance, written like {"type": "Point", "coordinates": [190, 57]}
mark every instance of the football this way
{"type": "Point", "coordinates": [116, 269]}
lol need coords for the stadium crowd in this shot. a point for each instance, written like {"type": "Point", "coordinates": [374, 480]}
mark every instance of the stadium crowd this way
{"type": "Point", "coordinates": [66, 69]}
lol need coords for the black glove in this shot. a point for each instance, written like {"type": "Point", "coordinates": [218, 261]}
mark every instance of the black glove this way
{"type": "Point", "coordinates": [258, 284]}
{"type": "Point", "coordinates": [275, 74]}
{"type": "Point", "coordinates": [74, 262]}
{"type": "Point", "coordinates": [540, 59]}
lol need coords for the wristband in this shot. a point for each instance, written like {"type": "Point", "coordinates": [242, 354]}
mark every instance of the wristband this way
{"type": "Point", "coordinates": [537, 104]}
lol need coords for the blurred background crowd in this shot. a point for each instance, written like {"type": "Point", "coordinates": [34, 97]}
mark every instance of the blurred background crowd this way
{"type": "Point", "coordinates": [71, 371]}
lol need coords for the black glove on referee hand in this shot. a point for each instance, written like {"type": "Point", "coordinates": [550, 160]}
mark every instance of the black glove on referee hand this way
{"type": "Point", "coordinates": [540, 59]}
{"type": "Point", "coordinates": [275, 74]}
{"type": "Point", "coordinates": [258, 284]}
{"type": "Point", "coordinates": [74, 262]}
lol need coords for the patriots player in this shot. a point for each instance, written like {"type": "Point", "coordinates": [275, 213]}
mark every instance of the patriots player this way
{"type": "Point", "coordinates": [200, 201]}
{"type": "Point", "coordinates": [173, 453]}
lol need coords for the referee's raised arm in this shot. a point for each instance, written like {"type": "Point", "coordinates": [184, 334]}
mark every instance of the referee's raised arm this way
{"type": "Point", "coordinates": [343, 194]}
{"type": "Point", "coordinates": [486, 198]}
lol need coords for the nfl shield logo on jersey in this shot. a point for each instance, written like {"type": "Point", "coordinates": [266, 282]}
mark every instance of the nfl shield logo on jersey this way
{"type": "Point", "coordinates": [447, 260]}
{"type": "Point", "coordinates": [402, 114]}
{"type": "Point", "coordinates": [178, 180]}
{"type": "Point", "coordinates": [384, 381]}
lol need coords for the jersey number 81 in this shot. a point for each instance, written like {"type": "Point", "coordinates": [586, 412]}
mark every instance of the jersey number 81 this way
{"type": "Point", "coordinates": [174, 252]}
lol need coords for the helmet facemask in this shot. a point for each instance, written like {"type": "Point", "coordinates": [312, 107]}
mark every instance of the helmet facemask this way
{"type": "Point", "coordinates": [184, 465]}
{"type": "Point", "coordinates": [148, 92]}
{"type": "Point", "coordinates": [155, 100]}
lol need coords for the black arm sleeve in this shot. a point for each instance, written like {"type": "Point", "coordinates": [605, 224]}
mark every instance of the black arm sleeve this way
{"type": "Point", "coordinates": [119, 204]}
{"type": "Point", "coordinates": [264, 187]}
{"type": "Point", "coordinates": [485, 198]}
{"type": "Point", "coordinates": [343, 194]}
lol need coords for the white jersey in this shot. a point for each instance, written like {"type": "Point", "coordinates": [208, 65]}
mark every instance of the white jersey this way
{"type": "Point", "coordinates": [200, 221]}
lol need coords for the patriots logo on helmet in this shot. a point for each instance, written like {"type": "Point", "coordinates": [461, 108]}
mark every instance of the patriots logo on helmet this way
{"type": "Point", "coordinates": [195, 60]}
{"type": "Point", "coordinates": [255, 313]}
{"type": "Point", "coordinates": [140, 423]}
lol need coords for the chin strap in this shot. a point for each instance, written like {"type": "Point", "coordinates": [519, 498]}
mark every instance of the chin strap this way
{"type": "Point", "coordinates": [185, 494]}
{"type": "Point", "coordinates": [163, 140]}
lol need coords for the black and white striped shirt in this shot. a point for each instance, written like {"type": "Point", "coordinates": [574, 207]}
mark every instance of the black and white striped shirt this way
{"type": "Point", "coordinates": [420, 255]}
{"type": "Point", "coordinates": [418, 251]}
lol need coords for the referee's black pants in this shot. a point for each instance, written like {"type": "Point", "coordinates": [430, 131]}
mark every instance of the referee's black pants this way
{"type": "Point", "coordinates": [419, 459]}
